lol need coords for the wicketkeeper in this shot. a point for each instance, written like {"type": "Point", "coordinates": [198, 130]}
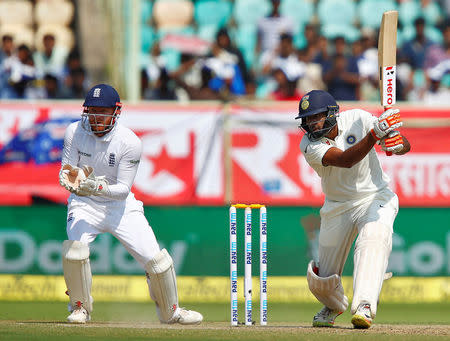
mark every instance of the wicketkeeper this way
{"type": "Point", "coordinates": [358, 202]}
{"type": "Point", "coordinates": [99, 164]}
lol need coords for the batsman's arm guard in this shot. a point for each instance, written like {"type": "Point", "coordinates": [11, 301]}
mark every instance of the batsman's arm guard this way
{"type": "Point", "coordinates": [77, 273]}
{"type": "Point", "coordinates": [163, 285]}
{"type": "Point", "coordinates": [328, 290]}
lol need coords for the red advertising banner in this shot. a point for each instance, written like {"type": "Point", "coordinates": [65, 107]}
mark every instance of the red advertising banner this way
{"type": "Point", "coordinates": [185, 154]}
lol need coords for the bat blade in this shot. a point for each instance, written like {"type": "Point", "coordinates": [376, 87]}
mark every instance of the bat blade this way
{"type": "Point", "coordinates": [387, 58]}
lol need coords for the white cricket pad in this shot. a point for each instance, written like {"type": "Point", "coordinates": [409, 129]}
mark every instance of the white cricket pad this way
{"type": "Point", "coordinates": [77, 273]}
{"type": "Point", "coordinates": [372, 249]}
{"type": "Point", "coordinates": [163, 285]}
{"type": "Point", "coordinates": [328, 290]}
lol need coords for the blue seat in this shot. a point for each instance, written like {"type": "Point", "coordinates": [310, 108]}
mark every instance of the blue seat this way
{"type": "Point", "coordinates": [172, 58]}
{"type": "Point", "coordinates": [300, 11]}
{"type": "Point", "coordinates": [147, 37]}
{"type": "Point", "coordinates": [349, 32]}
{"type": "Point", "coordinates": [408, 11]}
{"type": "Point", "coordinates": [245, 37]}
{"type": "Point", "coordinates": [431, 33]}
{"type": "Point", "coordinates": [248, 12]}
{"type": "Point", "coordinates": [212, 12]}
{"type": "Point", "coordinates": [146, 11]}
{"type": "Point", "coordinates": [207, 32]}
{"type": "Point", "coordinates": [342, 12]}
{"type": "Point", "coordinates": [370, 12]}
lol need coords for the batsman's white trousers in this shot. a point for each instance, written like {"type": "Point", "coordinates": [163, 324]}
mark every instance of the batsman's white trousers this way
{"type": "Point", "coordinates": [340, 224]}
{"type": "Point", "coordinates": [125, 221]}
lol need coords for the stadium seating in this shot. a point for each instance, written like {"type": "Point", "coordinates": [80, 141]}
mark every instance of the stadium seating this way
{"type": "Point", "coordinates": [16, 12]}
{"type": "Point", "coordinates": [341, 12]}
{"type": "Point", "coordinates": [172, 14]}
{"type": "Point", "coordinates": [248, 12]}
{"type": "Point", "coordinates": [370, 12]}
{"type": "Point", "coordinates": [210, 15]}
{"type": "Point", "coordinates": [408, 11]}
{"type": "Point", "coordinates": [301, 12]}
{"type": "Point", "coordinates": [64, 36]}
{"type": "Point", "coordinates": [54, 12]}
{"type": "Point", "coordinates": [21, 34]}
{"type": "Point", "coordinates": [349, 32]}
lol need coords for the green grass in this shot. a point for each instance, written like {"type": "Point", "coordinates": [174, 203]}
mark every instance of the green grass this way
{"type": "Point", "coordinates": [138, 321]}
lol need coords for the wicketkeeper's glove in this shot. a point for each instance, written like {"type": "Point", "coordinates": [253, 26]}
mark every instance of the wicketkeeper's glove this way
{"type": "Point", "coordinates": [93, 185]}
{"type": "Point", "coordinates": [71, 176]}
{"type": "Point", "coordinates": [387, 122]}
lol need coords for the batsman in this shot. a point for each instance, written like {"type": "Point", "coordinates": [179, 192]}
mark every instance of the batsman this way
{"type": "Point", "coordinates": [358, 202]}
{"type": "Point", "coordinates": [99, 164]}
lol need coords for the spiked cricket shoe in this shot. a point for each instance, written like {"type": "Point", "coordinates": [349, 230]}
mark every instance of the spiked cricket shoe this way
{"type": "Point", "coordinates": [188, 317]}
{"type": "Point", "coordinates": [325, 317]}
{"type": "Point", "coordinates": [79, 315]}
{"type": "Point", "coordinates": [362, 318]}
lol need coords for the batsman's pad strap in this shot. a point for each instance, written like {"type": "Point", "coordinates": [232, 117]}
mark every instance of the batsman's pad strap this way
{"type": "Point", "coordinates": [77, 273]}
{"type": "Point", "coordinates": [163, 285]}
{"type": "Point", "coordinates": [328, 290]}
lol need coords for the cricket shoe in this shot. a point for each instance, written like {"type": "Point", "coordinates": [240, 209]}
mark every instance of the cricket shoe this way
{"type": "Point", "coordinates": [79, 315]}
{"type": "Point", "coordinates": [185, 316]}
{"type": "Point", "coordinates": [325, 317]}
{"type": "Point", "coordinates": [362, 318]}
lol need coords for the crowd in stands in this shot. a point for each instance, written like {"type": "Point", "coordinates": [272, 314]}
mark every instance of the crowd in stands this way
{"type": "Point", "coordinates": [255, 49]}
{"type": "Point", "coordinates": [53, 73]}
{"type": "Point", "coordinates": [283, 64]}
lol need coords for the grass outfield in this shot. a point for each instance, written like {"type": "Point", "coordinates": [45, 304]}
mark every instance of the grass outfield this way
{"type": "Point", "coordinates": [138, 321]}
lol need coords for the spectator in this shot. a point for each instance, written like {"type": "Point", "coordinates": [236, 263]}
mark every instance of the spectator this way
{"type": "Point", "coordinates": [52, 59]}
{"type": "Point", "coordinates": [76, 84]}
{"type": "Point", "coordinates": [415, 49]}
{"type": "Point", "coordinates": [203, 91]}
{"type": "Point", "coordinates": [320, 53]}
{"type": "Point", "coordinates": [367, 62]}
{"type": "Point", "coordinates": [437, 93]}
{"type": "Point", "coordinates": [286, 89]}
{"type": "Point", "coordinates": [223, 41]}
{"type": "Point", "coordinates": [7, 49]}
{"type": "Point", "coordinates": [271, 27]}
{"type": "Point", "coordinates": [311, 36]}
{"type": "Point", "coordinates": [437, 53]}
{"type": "Point", "coordinates": [52, 88]}
{"type": "Point", "coordinates": [341, 76]}
{"type": "Point", "coordinates": [18, 71]}
{"type": "Point", "coordinates": [312, 79]}
{"type": "Point", "coordinates": [284, 57]}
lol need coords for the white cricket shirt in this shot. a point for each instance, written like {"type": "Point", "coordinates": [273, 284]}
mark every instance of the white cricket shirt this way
{"type": "Point", "coordinates": [343, 184]}
{"type": "Point", "coordinates": [115, 155]}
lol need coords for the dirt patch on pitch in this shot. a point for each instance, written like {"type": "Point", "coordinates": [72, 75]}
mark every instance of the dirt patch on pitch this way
{"type": "Point", "coordinates": [405, 329]}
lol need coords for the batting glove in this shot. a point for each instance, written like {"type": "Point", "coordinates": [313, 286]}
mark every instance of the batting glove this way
{"type": "Point", "coordinates": [392, 142]}
{"type": "Point", "coordinates": [387, 122]}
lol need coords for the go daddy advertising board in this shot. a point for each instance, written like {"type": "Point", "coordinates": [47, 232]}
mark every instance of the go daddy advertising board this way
{"type": "Point", "coordinates": [31, 241]}
{"type": "Point", "coordinates": [210, 154]}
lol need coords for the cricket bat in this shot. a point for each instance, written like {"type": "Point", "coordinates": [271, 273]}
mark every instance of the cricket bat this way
{"type": "Point", "coordinates": [387, 59]}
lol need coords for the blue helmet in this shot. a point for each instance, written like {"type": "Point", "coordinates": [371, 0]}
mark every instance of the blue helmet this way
{"type": "Point", "coordinates": [315, 102]}
{"type": "Point", "coordinates": [101, 95]}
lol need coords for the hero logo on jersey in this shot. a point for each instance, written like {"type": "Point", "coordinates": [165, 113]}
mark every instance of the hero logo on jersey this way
{"type": "Point", "coordinates": [96, 92]}
{"type": "Point", "coordinates": [112, 159]}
